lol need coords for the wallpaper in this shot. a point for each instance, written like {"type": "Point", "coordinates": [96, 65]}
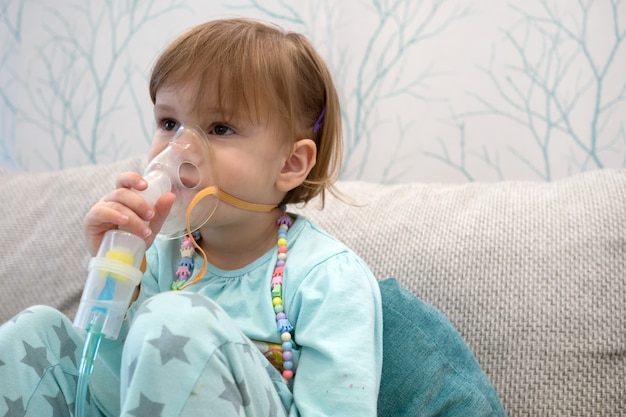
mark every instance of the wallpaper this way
{"type": "Point", "coordinates": [432, 90]}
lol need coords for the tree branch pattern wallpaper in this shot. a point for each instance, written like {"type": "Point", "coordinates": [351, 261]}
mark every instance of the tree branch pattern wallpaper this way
{"type": "Point", "coordinates": [432, 90]}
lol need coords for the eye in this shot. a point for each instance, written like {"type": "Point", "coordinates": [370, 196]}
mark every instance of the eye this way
{"type": "Point", "coordinates": [221, 130]}
{"type": "Point", "coordinates": [169, 125]}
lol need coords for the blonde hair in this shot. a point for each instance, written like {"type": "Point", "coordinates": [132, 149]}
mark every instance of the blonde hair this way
{"type": "Point", "coordinates": [266, 72]}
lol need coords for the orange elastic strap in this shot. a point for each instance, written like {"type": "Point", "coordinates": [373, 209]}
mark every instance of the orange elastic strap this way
{"type": "Point", "coordinates": [246, 205]}
{"type": "Point", "coordinates": [228, 199]}
{"type": "Point", "coordinates": [206, 192]}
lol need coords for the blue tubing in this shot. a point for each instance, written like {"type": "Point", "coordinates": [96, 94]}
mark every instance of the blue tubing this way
{"type": "Point", "coordinates": [90, 350]}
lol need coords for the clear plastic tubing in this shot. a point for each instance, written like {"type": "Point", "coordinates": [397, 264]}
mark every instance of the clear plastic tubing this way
{"type": "Point", "coordinates": [114, 273]}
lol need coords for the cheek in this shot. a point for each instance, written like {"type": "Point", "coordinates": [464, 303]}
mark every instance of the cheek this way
{"type": "Point", "coordinates": [232, 176]}
{"type": "Point", "coordinates": [227, 174]}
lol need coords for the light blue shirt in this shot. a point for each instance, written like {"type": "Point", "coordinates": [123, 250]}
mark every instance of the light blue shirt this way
{"type": "Point", "coordinates": [331, 298]}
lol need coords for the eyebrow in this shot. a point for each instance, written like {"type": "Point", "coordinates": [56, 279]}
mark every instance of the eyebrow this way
{"type": "Point", "coordinates": [210, 110]}
{"type": "Point", "coordinates": [163, 107]}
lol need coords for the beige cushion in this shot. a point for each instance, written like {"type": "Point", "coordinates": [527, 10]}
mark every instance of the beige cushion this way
{"type": "Point", "coordinates": [532, 274]}
{"type": "Point", "coordinates": [43, 257]}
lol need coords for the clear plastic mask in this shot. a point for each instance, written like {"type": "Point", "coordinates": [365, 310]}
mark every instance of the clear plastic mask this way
{"type": "Point", "coordinates": [185, 167]}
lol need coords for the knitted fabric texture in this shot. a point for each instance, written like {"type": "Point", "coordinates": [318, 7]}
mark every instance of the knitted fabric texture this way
{"type": "Point", "coordinates": [531, 274]}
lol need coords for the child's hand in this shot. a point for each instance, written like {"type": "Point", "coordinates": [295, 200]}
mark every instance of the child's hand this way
{"type": "Point", "coordinates": [125, 210]}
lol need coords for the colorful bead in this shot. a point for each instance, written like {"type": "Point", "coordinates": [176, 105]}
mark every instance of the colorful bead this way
{"type": "Point", "coordinates": [276, 280]}
{"type": "Point", "coordinates": [283, 325]}
{"type": "Point", "coordinates": [185, 267]}
{"type": "Point", "coordinates": [277, 290]}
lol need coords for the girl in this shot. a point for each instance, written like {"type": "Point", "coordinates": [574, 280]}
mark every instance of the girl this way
{"type": "Point", "coordinates": [269, 316]}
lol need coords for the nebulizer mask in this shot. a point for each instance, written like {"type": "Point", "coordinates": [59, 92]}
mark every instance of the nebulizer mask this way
{"type": "Point", "coordinates": [184, 168]}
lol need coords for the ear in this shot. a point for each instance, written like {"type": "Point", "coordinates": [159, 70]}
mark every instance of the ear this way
{"type": "Point", "coordinates": [298, 165]}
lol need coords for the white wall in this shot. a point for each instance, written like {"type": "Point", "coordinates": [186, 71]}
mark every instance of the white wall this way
{"type": "Point", "coordinates": [448, 90]}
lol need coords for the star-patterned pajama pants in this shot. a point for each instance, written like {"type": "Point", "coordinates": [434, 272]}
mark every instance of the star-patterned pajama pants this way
{"type": "Point", "coordinates": [183, 356]}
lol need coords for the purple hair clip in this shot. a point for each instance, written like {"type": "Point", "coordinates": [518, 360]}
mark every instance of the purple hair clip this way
{"type": "Point", "coordinates": [318, 123]}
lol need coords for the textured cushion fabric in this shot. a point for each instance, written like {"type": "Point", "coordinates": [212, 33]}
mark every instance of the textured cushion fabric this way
{"type": "Point", "coordinates": [43, 257]}
{"type": "Point", "coordinates": [428, 370]}
{"type": "Point", "coordinates": [532, 274]}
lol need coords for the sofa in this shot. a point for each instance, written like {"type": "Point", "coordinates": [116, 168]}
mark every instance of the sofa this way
{"type": "Point", "coordinates": [532, 275]}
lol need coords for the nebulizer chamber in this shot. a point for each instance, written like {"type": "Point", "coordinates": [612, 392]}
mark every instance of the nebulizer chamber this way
{"type": "Point", "coordinates": [184, 167]}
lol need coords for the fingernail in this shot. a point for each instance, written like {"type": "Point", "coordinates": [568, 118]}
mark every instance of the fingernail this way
{"type": "Point", "coordinates": [147, 232]}
{"type": "Point", "coordinates": [149, 214]}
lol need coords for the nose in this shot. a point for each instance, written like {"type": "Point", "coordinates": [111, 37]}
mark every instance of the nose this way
{"type": "Point", "coordinates": [188, 135]}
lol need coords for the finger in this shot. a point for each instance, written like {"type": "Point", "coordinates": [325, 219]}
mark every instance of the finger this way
{"type": "Point", "coordinates": [124, 198]}
{"type": "Point", "coordinates": [131, 180]}
{"type": "Point", "coordinates": [98, 220]}
{"type": "Point", "coordinates": [105, 216]}
{"type": "Point", "coordinates": [161, 211]}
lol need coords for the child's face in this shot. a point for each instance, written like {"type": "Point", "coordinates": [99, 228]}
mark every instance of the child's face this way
{"type": "Point", "coordinates": [247, 156]}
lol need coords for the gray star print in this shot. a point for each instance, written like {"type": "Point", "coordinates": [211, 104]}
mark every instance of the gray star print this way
{"type": "Point", "coordinates": [247, 349]}
{"type": "Point", "coordinates": [36, 358]}
{"type": "Point", "coordinates": [170, 346]}
{"type": "Point", "coordinates": [144, 309]}
{"type": "Point", "coordinates": [237, 395]}
{"type": "Point", "coordinates": [147, 408]}
{"type": "Point", "coordinates": [243, 390]}
{"type": "Point", "coordinates": [200, 301]}
{"type": "Point", "coordinates": [68, 347]}
{"type": "Point", "coordinates": [273, 412]}
{"type": "Point", "coordinates": [131, 370]}
{"type": "Point", "coordinates": [16, 408]}
{"type": "Point", "coordinates": [14, 320]}
{"type": "Point", "coordinates": [58, 404]}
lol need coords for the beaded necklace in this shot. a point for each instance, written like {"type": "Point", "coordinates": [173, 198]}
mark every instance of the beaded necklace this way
{"type": "Point", "coordinates": [284, 327]}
